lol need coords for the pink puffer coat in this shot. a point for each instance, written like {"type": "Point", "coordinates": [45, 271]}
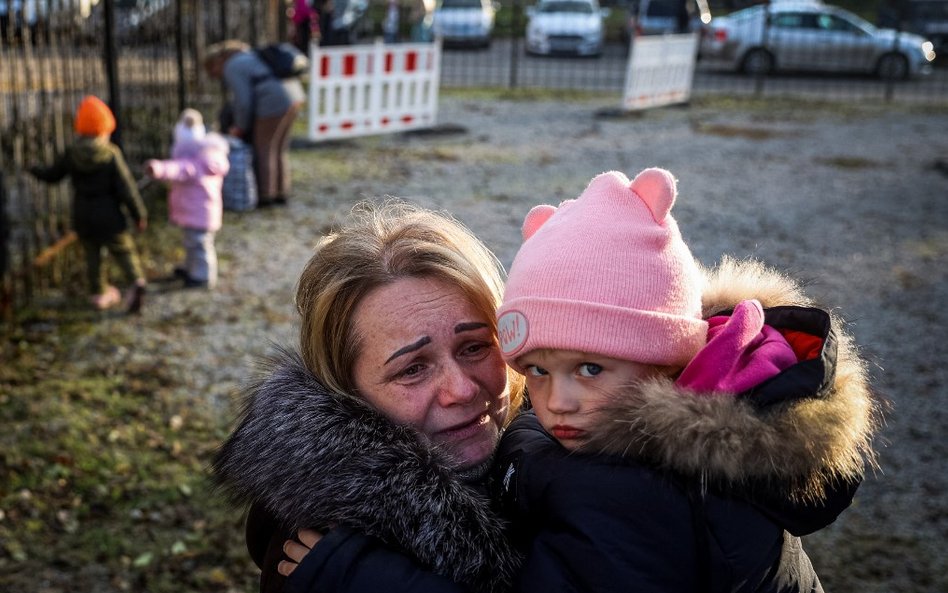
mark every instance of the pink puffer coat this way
{"type": "Point", "coordinates": [196, 171]}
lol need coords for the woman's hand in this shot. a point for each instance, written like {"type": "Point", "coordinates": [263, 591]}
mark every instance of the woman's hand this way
{"type": "Point", "coordinates": [296, 550]}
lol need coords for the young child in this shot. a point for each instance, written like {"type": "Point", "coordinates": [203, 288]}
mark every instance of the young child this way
{"type": "Point", "coordinates": [689, 425]}
{"type": "Point", "coordinates": [196, 171]}
{"type": "Point", "coordinates": [104, 195]}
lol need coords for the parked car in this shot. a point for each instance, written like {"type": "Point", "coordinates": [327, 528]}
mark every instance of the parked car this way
{"type": "Point", "coordinates": [812, 36]}
{"type": "Point", "coordinates": [566, 26]}
{"type": "Point", "coordinates": [465, 22]}
{"type": "Point", "coordinates": [350, 22]}
{"type": "Point", "coordinates": [928, 18]}
{"type": "Point", "coordinates": [658, 17]}
{"type": "Point", "coordinates": [17, 15]}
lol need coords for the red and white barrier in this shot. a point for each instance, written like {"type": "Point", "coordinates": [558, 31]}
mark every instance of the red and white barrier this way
{"type": "Point", "coordinates": [661, 70]}
{"type": "Point", "coordinates": [372, 89]}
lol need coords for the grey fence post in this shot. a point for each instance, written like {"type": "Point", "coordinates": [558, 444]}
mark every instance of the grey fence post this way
{"type": "Point", "coordinates": [514, 42]}
{"type": "Point", "coordinates": [759, 77]}
{"type": "Point", "coordinates": [179, 54]}
{"type": "Point", "coordinates": [6, 297]}
{"type": "Point", "coordinates": [111, 70]}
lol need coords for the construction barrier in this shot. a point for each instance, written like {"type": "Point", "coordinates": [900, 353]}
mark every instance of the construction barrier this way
{"type": "Point", "coordinates": [372, 89]}
{"type": "Point", "coordinates": [661, 70]}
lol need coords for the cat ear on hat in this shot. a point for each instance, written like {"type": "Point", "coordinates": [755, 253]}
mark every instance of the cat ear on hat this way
{"type": "Point", "coordinates": [537, 216]}
{"type": "Point", "coordinates": [656, 187]}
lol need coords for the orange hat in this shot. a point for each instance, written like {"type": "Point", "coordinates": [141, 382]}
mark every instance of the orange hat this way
{"type": "Point", "coordinates": [94, 118]}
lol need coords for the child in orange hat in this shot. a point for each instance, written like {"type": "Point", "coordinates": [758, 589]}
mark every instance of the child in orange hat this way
{"type": "Point", "coordinates": [104, 197]}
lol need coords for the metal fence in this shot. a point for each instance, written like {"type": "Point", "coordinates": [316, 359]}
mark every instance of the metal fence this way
{"type": "Point", "coordinates": [143, 57]}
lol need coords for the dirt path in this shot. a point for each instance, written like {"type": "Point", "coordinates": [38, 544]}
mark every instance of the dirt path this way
{"type": "Point", "coordinates": [845, 197]}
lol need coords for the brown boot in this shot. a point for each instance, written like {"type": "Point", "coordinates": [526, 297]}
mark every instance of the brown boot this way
{"type": "Point", "coordinates": [134, 299]}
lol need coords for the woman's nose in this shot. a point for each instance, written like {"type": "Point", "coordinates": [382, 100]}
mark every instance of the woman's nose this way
{"type": "Point", "coordinates": [457, 386]}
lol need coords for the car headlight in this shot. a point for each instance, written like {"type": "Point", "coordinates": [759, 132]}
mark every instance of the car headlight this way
{"type": "Point", "coordinates": [928, 50]}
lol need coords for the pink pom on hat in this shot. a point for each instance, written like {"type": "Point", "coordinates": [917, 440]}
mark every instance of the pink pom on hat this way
{"type": "Point", "coordinates": [606, 273]}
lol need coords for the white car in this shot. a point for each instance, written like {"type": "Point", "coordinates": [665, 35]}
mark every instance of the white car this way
{"type": "Point", "coordinates": [465, 22]}
{"type": "Point", "coordinates": [566, 26]}
{"type": "Point", "coordinates": [812, 36]}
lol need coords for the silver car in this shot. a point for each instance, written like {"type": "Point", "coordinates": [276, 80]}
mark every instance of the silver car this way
{"type": "Point", "coordinates": [566, 26]}
{"type": "Point", "coordinates": [465, 22]}
{"type": "Point", "coordinates": [812, 36]}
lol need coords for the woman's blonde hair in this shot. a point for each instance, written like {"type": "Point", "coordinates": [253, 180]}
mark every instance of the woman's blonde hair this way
{"type": "Point", "coordinates": [223, 50]}
{"type": "Point", "coordinates": [380, 244]}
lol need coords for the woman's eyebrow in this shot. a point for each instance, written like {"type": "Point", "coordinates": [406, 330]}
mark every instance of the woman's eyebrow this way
{"type": "Point", "coordinates": [409, 348]}
{"type": "Point", "coordinates": [470, 325]}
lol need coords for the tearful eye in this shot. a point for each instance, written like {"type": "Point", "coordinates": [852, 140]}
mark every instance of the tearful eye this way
{"type": "Point", "coordinates": [411, 371]}
{"type": "Point", "coordinates": [589, 369]}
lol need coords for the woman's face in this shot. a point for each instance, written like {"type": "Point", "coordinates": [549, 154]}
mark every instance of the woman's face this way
{"type": "Point", "coordinates": [429, 359]}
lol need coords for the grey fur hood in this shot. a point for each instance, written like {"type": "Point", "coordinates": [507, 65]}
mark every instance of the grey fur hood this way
{"type": "Point", "coordinates": [801, 447]}
{"type": "Point", "coordinates": [314, 458]}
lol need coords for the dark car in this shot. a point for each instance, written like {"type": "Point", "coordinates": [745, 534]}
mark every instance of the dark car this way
{"type": "Point", "coordinates": [928, 18]}
{"type": "Point", "coordinates": [659, 17]}
{"type": "Point", "coordinates": [17, 16]}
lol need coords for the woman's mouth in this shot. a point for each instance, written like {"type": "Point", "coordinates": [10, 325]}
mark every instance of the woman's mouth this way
{"type": "Point", "coordinates": [463, 430]}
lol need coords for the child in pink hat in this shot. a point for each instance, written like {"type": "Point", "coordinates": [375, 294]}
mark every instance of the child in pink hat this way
{"type": "Point", "coordinates": [688, 425]}
{"type": "Point", "coordinates": [196, 173]}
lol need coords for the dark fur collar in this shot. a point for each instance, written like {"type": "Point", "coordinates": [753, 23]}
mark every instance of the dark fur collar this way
{"type": "Point", "coordinates": [315, 458]}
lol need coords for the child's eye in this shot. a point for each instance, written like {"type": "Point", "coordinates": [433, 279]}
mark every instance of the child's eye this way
{"type": "Point", "coordinates": [535, 371]}
{"type": "Point", "coordinates": [589, 369]}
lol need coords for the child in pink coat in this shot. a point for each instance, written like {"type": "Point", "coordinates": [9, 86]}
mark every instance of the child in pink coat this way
{"type": "Point", "coordinates": [196, 171]}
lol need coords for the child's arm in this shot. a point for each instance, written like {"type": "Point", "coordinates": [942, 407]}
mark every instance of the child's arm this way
{"type": "Point", "coordinates": [174, 170]}
{"type": "Point", "coordinates": [53, 173]}
{"type": "Point", "coordinates": [127, 191]}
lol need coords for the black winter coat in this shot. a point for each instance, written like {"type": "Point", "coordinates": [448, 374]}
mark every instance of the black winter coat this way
{"type": "Point", "coordinates": [104, 191]}
{"type": "Point", "coordinates": [684, 493]}
{"type": "Point", "coordinates": [307, 457]}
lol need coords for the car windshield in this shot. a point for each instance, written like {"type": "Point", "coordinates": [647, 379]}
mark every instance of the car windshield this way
{"type": "Point", "coordinates": [747, 13]}
{"type": "Point", "coordinates": [460, 4]}
{"type": "Point", "coordinates": [858, 22]}
{"type": "Point", "coordinates": [566, 6]}
{"type": "Point", "coordinates": [661, 9]}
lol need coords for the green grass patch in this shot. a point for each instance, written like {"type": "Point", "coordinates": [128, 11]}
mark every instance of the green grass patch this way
{"type": "Point", "coordinates": [103, 469]}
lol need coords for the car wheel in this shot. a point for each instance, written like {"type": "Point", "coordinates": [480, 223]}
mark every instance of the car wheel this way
{"type": "Point", "coordinates": [892, 67]}
{"type": "Point", "coordinates": [757, 62]}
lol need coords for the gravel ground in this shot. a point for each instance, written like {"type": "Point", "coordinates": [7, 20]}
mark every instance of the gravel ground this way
{"type": "Point", "coordinates": [848, 198]}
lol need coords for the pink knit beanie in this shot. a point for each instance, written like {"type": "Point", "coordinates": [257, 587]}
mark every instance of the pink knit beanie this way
{"type": "Point", "coordinates": [606, 273]}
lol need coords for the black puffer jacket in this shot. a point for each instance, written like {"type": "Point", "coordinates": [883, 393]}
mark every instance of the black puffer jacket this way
{"type": "Point", "coordinates": [104, 191]}
{"type": "Point", "coordinates": [404, 521]}
{"type": "Point", "coordinates": [686, 493]}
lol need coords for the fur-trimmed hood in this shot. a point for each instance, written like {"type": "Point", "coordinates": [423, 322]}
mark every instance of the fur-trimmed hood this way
{"type": "Point", "coordinates": [799, 446]}
{"type": "Point", "coordinates": [314, 458]}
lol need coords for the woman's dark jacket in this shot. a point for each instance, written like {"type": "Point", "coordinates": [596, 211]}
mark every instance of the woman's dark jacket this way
{"type": "Point", "coordinates": [402, 519]}
{"type": "Point", "coordinates": [104, 191]}
{"type": "Point", "coordinates": [686, 493]}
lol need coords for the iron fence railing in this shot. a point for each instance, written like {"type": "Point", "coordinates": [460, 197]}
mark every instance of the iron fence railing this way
{"type": "Point", "coordinates": [144, 56]}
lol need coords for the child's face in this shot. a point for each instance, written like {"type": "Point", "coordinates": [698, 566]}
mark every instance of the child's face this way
{"type": "Point", "coordinates": [565, 386]}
